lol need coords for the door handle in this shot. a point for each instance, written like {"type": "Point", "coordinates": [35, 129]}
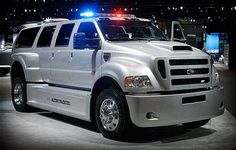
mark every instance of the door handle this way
{"type": "Point", "coordinates": [71, 56]}
{"type": "Point", "coordinates": [52, 57]}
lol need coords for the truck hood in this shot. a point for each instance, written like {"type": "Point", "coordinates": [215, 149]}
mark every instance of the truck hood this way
{"type": "Point", "coordinates": [155, 48]}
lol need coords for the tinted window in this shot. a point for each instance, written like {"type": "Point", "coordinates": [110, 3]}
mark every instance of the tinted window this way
{"type": "Point", "coordinates": [46, 36]}
{"type": "Point", "coordinates": [89, 29]}
{"type": "Point", "coordinates": [26, 38]}
{"type": "Point", "coordinates": [130, 30]}
{"type": "Point", "coordinates": [63, 37]}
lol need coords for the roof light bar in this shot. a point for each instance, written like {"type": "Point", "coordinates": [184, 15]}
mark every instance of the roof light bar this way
{"type": "Point", "coordinates": [91, 15]}
{"type": "Point", "coordinates": [118, 15]}
{"type": "Point", "coordinates": [115, 15]}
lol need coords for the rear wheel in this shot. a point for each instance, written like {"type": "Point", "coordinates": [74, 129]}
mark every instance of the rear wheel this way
{"type": "Point", "coordinates": [196, 124]}
{"type": "Point", "coordinates": [111, 114]}
{"type": "Point", "coordinates": [19, 96]}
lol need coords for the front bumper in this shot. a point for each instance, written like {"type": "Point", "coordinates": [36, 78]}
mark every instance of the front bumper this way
{"type": "Point", "coordinates": [171, 110]}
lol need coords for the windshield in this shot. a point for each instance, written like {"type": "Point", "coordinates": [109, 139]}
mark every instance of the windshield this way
{"type": "Point", "coordinates": [115, 30]}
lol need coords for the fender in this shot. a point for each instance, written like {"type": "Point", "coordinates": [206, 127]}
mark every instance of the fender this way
{"type": "Point", "coordinates": [119, 68]}
{"type": "Point", "coordinates": [29, 63]}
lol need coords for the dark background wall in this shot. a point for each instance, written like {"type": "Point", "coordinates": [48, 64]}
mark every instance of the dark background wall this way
{"type": "Point", "coordinates": [215, 15]}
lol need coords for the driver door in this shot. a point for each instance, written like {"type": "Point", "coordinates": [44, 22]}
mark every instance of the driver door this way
{"type": "Point", "coordinates": [84, 61]}
{"type": "Point", "coordinates": [177, 33]}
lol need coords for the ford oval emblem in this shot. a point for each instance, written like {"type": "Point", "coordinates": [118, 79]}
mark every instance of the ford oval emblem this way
{"type": "Point", "coordinates": [190, 71]}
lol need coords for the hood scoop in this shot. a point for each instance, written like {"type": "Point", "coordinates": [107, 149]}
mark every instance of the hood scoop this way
{"type": "Point", "coordinates": [182, 48]}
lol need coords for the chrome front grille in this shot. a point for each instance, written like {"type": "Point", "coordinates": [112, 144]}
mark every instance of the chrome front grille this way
{"type": "Point", "coordinates": [192, 71]}
{"type": "Point", "coordinates": [189, 73]}
{"type": "Point", "coordinates": [176, 62]}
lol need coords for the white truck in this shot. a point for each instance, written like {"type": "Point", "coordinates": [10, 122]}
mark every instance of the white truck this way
{"type": "Point", "coordinates": [118, 71]}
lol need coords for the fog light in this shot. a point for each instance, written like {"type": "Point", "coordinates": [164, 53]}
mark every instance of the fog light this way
{"type": "Point", "coordinates": [151, 116]}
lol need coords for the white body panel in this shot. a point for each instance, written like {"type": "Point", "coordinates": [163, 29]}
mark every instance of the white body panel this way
{"type": "Point", "coordinates": [60, 66]}
{"type": "Point", "coordinates": [83, 66]}
{"type": "Point", "coordinates": [45, 64]}
{"type": "Point", "coordinates": [70, 102]}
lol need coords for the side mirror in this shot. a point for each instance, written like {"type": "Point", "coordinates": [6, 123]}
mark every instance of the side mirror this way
{"type": "Point", "coordinates": [81, 42]}
{"type": "Point", "coordinates": [177, 33]}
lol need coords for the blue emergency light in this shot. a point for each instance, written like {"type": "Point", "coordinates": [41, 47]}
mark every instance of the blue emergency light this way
{"type": "Point", "coordinates": [87, 14]}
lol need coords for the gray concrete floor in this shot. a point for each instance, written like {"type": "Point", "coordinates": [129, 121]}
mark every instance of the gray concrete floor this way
{"type": "Point", "coordinates": [46, 130]}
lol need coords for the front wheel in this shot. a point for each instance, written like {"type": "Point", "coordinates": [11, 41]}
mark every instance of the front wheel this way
{"type": "Point", "coordinates": [111, 114]}
{"type": "Point", "coordinates": [196, 124]}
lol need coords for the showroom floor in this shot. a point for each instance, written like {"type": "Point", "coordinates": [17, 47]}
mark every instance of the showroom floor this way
{"type": "Point", "coordinates": [46, 130]}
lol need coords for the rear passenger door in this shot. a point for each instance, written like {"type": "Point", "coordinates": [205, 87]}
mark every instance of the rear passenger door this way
{"type": "Point", "coordinates": [45, 51]}
{"type": "Point", "coordinates": [60, 69]}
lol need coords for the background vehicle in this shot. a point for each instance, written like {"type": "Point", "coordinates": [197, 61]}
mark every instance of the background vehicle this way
{"type": "Point", "coordinates": [118, 71]}
{"type": "Point", "coordinates": [5, 55]}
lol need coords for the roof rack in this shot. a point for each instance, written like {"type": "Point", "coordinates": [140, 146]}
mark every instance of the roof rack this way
{"type": "Point", "coordinates": [34, 24]}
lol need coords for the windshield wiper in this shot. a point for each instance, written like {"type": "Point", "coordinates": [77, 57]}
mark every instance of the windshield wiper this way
{"type": "Point", "coordinates": [150, 39]}
{"type": "Point", "coordinates": [119, 39]}
{"type": "Point", "coordinates": [139, 39]}
{"type": "Point", "coordinates": [157, 39]}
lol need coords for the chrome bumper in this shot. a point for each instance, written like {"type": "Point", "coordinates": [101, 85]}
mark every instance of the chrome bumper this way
{"type": "Point", "coordinates": [171, 110]}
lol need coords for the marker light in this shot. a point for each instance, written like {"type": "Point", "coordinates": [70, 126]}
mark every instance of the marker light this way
{"type": "Point", "coordinates": [87, 14]}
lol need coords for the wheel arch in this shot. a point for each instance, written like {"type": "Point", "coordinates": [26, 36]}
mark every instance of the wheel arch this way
{"type": "Point", "coordinates": [104, 82]}
{"type": "Point", "coordinates": [17, 70]}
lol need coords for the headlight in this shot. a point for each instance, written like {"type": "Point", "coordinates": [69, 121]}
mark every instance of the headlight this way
{"type": "Point", "coordinates": [137, 82]}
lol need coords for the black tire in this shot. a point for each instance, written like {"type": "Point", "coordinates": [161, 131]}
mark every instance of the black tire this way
{"type": "Point", "coordinates": [124, 122]}
{"type": "Point", "coordinates": [3, 72]}
{"type": "Point", "coordinates": [19, 98]}
{"type": "Point", "coordinates": [196, 124]}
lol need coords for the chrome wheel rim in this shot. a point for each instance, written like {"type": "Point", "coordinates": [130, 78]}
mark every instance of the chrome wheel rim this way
{"type": "Point", "coordinates": [109, 114]}
{"type": "Point", "coordinates": [18, 94]}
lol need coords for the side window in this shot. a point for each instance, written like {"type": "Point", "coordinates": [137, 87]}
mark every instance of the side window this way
{"type": "Point", "coordinates": [63, 37]}
{"type": "Point", "coordinates": [89, 29]}
{"type": "Point", "coordinates": [178, 32]}
{"type": "Point", "coordinates": [46, 36]}
{"type": "Point", "coordinates": [26, 38]}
